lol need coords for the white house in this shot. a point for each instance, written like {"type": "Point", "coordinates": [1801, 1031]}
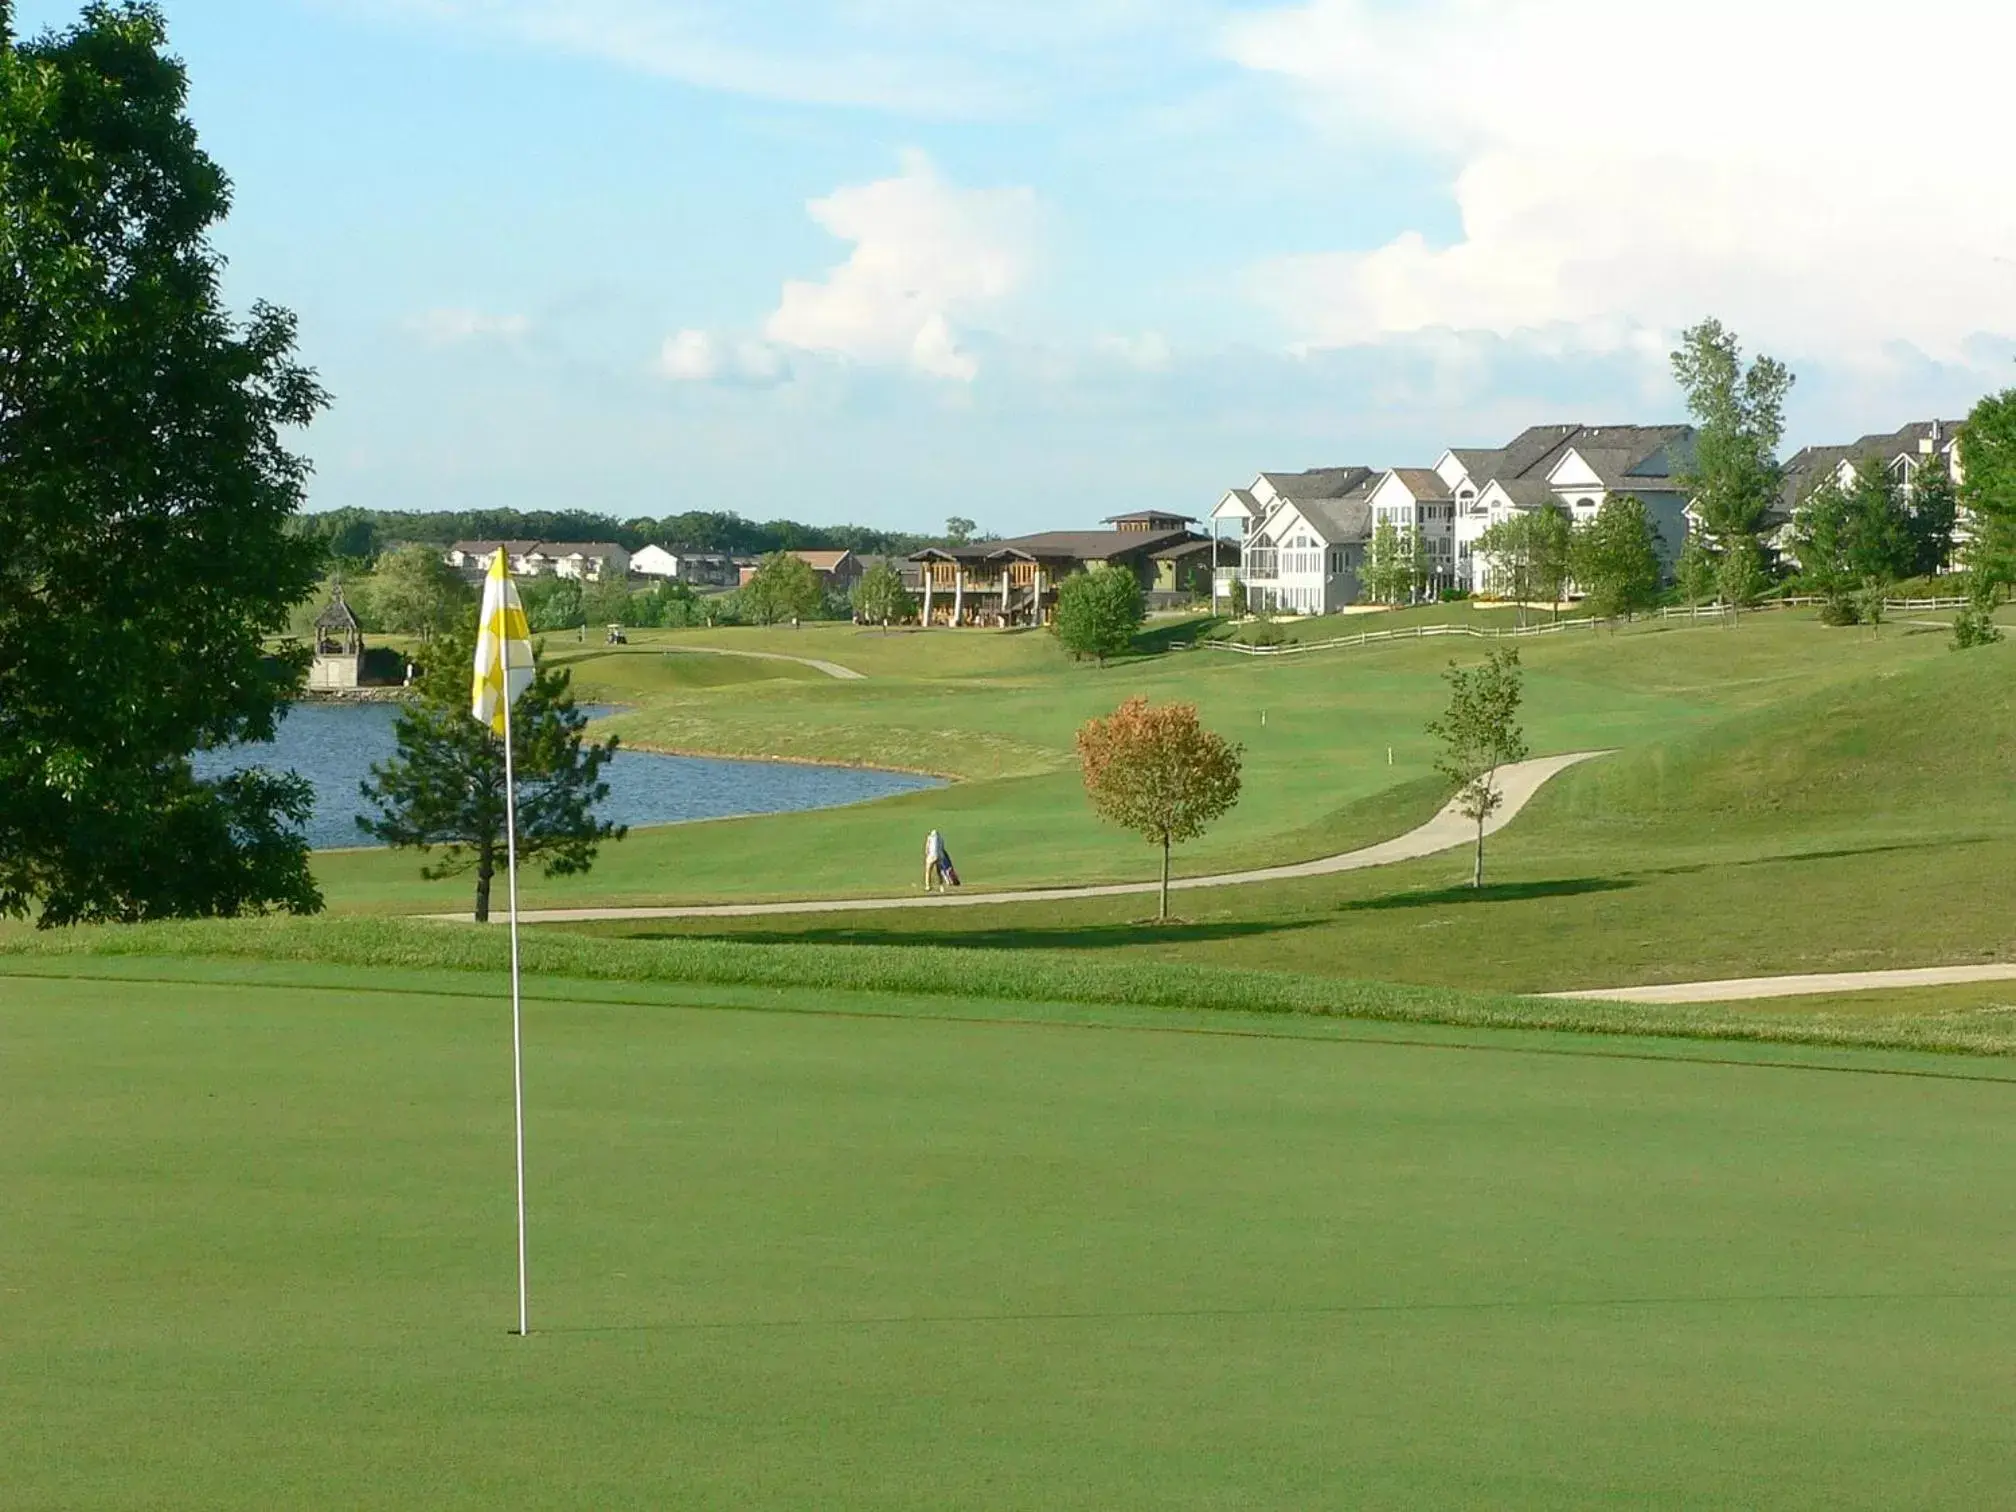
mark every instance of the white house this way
{"type": "Point", "coordinates": [1572, 468]}
{"type": "Point", "coordinates": [1902, 452]}
{"type": "Point", "coordinates": [1419, 499]}
{"type": "Point", "coordinates": [654, 561]}
{"type": "Point", "coordinates": [591, 561]}
{"type": "Point", "coordinates": [1302, 538]}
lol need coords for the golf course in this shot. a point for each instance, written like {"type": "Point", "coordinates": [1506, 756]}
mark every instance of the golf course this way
{"type": "Point", "coordinates": [1307, 1196]}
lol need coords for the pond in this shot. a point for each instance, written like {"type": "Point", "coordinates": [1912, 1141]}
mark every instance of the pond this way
{"type": "Point", "coordinates": [334, 745]}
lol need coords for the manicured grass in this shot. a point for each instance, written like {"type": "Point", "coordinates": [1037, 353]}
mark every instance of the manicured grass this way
{"type": "Point", "coordinates": [1860, 825]}
{"type": "Point", "coordinates": [1319, 734]}
{"type": "Point", "coordinates": [260, 1256]}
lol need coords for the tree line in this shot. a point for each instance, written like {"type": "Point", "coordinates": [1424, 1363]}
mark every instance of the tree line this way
{"type": "Point", "coordinates": [358, 537]}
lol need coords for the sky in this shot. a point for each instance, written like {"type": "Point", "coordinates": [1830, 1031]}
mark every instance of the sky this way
{"type": "Point", "coordinates": [1036, 262]}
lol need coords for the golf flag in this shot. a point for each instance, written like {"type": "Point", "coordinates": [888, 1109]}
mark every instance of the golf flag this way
{"type": "Point", "coordinates": [503, 671]}
{"type": "Point", "coordinates": [503, 647]}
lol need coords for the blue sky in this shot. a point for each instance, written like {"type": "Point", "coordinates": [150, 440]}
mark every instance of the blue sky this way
{"type": "Point", "coordinates": [1035, 262]}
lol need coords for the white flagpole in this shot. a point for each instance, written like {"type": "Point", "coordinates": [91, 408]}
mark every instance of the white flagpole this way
{"type": "Point", "coordinates": [517, 1034]}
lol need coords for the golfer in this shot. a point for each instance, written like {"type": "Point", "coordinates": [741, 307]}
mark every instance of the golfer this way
{"type": "Point", "coordinates": [934, 861]}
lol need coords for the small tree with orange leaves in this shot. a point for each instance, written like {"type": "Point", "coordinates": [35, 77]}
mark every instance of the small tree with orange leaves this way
{"type": "Point", "coordinates": [1158, 772]}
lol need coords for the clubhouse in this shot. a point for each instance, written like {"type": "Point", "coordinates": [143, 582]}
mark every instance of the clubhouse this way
{"type": "Point", "coordinates": [1014, 582]}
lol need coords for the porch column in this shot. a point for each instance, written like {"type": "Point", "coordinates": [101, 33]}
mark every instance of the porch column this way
{"type": "Point", "coordinates": [958, 594]}
{"type": "Point", "coordinates": [1036, 598]}
{"type": "Point", "coordinates": [930, 571]}
{"type": "Point", "coordinates": [1004, 596]}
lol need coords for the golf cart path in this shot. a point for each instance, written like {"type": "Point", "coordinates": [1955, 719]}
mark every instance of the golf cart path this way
{"type": "Point", "coordinates": [1446, 831]}
{"type": "Point", "coordinates": [1743, 989]}
{"type": "Point", "coordinates": [831, 669]}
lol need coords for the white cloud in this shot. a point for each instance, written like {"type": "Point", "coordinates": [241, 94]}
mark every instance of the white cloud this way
{"type": "Point", "coordinates": [452, 327]}
{"type": "Point", "coordinates": [701, 357]}
{"type": "Point", "coordinates": [1826, 179]}
{"type": "Point", "coordinates": [927, 255]}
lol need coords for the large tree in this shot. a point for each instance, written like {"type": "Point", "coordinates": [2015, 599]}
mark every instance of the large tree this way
{"type": "Point", "coordinates": [879, 596]}
{"type": "Point", "coordinates": [782, 587]}
{"type": "Point", "coordinates": [1739, 414]}
{"type": "Point", "coordinates": [415, 592]}
{"type": "Point", "coordinates": [1615, 558]}
{"type": "Point", "coordinates": [1098, 613]}
{"type": "Point", "coordinates": [1988, 488]}
{"type": "Point", "coordinates": [1159, 772]}
{"type": "Point", "coordinates": [1854, 536]}
{"type": "Point", "coordinates": [147, 493]}
{"type": "Point", "coordinates": [1480, 733]}
{"type": "Point", "coordinates": [1933, 509]}
{"type": "Point", "coordinates": [444, 789]}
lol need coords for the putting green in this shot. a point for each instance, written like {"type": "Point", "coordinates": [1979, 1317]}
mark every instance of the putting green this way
{"type": "Point", "coordinates": [844, 1250]}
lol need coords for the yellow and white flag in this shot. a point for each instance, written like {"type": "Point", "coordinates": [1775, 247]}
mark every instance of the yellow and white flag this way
{"type": "Point", "coordinates": [502, 640]}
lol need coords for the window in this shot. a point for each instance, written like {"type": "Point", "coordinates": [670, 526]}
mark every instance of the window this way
{"type": "Point", "coordinates": [1336, 561]}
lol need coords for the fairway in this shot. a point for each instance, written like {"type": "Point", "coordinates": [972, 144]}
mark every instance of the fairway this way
{"type": "Point", "coordinates": [846, 1249]}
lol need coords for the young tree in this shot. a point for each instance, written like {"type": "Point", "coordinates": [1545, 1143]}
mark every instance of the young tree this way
{"type": "Point", "coordinates": [445, 787]}
{"type": "Point", "coordinates": [1157, 771]}
{"type": "Point", "coordinates": [1975, 625]}
{"type": "Point", "coordinates": [1098, 613]}
{"type": "Point", "coordinates": [1739, 574]}
{"type": "Point", "coordinates": [1988, 488]}
{"type": "Point", "coordinates": [1414, 551]}
{"type": "Point", "coordinates": [669, 605]}
{"type": "Point", "coordinates": [1739, 413]}
{"type": "Point", "coordinates": [1551, 538]}
{"type": "Point", "coordinates": [1694, 572]}
{"type": "Point", "coordinates": [1384, 575]}
{"type": "Point", "coordinates": [1880, 547]}
{"type": "Point", "coordinates": [414, 592]}
{"type": "Point", "coordinates": [880, 597]}
{"type": "Point", "coordinates": [783, 587]}
{"type": "Point", "coordinates": [1480, 733]}
{"type": "Point", "coordinates": [1507, 547]}
{"type": "Point", "coordinates": [1821, 535]}
{"type": "Point", "coordinates": [1933, 511]}
{"type": "Point", "coordinates": [1615, 558]}
{"type": "Point", "coordinates": [148, 497]}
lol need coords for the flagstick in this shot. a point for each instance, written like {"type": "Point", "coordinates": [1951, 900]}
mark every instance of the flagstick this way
{"type": "Point", "coordinates": [517, 1035]}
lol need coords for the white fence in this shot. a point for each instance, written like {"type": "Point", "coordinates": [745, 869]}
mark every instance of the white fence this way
{"type": "Point", "coordinates": [1552, 627]}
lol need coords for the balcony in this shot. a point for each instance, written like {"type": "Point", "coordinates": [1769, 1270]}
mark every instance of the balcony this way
{"type": "Point", "coordinates": [1260, 562]}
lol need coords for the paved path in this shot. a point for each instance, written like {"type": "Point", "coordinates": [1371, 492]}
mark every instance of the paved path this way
{"type": "Point", "coordinates": [1742, 989]}
{"type": "Point", "coordinates": [831, 669]}
{"type": "Point", "coordinates": [1446, 831]}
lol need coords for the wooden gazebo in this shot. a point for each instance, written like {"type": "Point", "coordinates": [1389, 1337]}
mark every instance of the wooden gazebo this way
{"type": "Point", "coordinates": [339, 646]}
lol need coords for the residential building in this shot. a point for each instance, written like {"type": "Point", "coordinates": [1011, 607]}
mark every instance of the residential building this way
{"type": "Point", "coordinates": [837, 571]}
{"type": "Point", "coordinates": [1015, 581]}
{"type": "Point", "coordinates": [1302, 538]}
{"type": "Point", "coordinates": [1572, 468]}
{"type": "Point", "coordinates": [1903, 452]}
{"type": "Point", "coordinates": [590, 561]}
{"type": "Point", "coordinates": [1417, 499]}
{"type": "Point", "coordinates": [684, 564]}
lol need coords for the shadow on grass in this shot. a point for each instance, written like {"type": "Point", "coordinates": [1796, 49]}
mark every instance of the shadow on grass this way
{"type": "Point", "coordinates": [1491, 892]}
{"type": "Point", "coordinates": [1059, 937]}
{"type": "Point", "coordinates": [1175, 633]}
{"type": "Point", "coordinates": [1844, 853]}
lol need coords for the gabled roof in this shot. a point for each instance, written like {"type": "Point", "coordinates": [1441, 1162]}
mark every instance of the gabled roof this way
{"type": "Point", "coordinates": [489, 548]}
{"type": "Point", "coordinates": [1621, 449]}
{"type": "Point", "coordinates": [1424, 483]}
{"type": "Point", "coordinates": [1527, 493]}
{"type": "Point", "coordinates": [1149, 514]}
{"type": "Point", "coordinates": [1338, 521]}
{"type": "Point", "coordinates": [339, 615]}
{"type": "Point", "coordinates": [1059, 545]}
{"type": "Point", "coordinates": [1318, 482]}
{"type": "Point", "coordinates": [823, 561]}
